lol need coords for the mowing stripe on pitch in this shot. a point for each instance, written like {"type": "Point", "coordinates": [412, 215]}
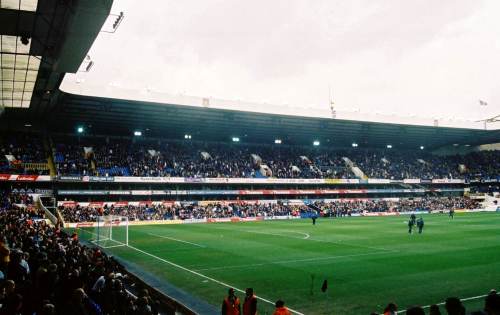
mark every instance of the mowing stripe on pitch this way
{"type": "Point", "coordinates": [443, 303]}
{"type": "Point", "coordinates": [206, 277]}
{"type": "Point", "coordinates": [290, 261]}
{"type": "Point", "coordinates": [307, 238]}
{"type": "Point", "coordinates": [177, 240]}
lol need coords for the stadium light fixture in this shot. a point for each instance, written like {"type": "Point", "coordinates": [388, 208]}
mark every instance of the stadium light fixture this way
{"type": "Point", "coordinates": [27, 125]}
{"type": "Point", "coordinates": [79, 129]}
{"type": "Point", "coordinates": [186, 136]}
{"type": "Point", "coordinates": [277, 141]}
{"type": "Point", "coordinates": [137, 133]}
{"type": "Point", "coordinates": [236, 139]}
{"type": "Point", "coordinates": [422, 147]}
{"type": "Point", "coordinates": [354, 145]}
{"type": "Point", "coordinates": [389, 146]}
{"type": "Point", "coordinates": [316, 143]}
{"type": "Point", "coordinates": [467, 145]}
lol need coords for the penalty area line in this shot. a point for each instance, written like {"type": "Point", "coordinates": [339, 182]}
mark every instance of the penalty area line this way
{"type": "Point", "coordinates": [205, 277]}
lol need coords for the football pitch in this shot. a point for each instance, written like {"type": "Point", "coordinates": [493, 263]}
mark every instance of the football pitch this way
{"type": "Point", "coordinates": [367, 261]}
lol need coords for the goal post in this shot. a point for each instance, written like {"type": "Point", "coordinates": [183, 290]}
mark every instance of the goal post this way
{"type": "Point", "coordinates": [111, 231]}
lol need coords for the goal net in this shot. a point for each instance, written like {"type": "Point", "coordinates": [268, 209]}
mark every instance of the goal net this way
{"type": "Point", "coordinates": [111, 231]}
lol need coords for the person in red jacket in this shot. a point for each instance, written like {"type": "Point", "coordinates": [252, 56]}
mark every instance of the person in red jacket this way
{"type": "Point", "coordinates": [250, 303]}
{"type": "Point", "coordinates": [281, 309]}
{"type": "Point", "coordinates": [231, 304]}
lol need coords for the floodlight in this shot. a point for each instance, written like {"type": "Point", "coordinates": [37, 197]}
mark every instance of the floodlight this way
{"type": "Point", "coordinates": [236, 139]}
{"type": "Point", "coordinates": [316, 143]}
{"type": "Point", "coordinates": [186, 136]}
{"type": "Point", "coordinates": [354, 145]}
{"type": "Point", "coordinates": [137, 133]}
{"type": "Point", "coordinates": [389, 146]}
{"type": "Point", "coordinates": [277, 141]}
{"type": "Point", "coordinates": [421, 147]}
{"type": "Point", "coordinates": [79, 129]}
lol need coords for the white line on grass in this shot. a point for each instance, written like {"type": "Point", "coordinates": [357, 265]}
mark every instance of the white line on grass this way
{"type": "Point", "coordinates": [314, 240]}
{"type": "Point", "coordinates": [306, 235]}
{"type": "Point", "coordinates": [206, 277]}
{"type": "Point", "coordinates": [443, 303]}
{"type": "Point", "coordinates": [177, 240]}
{"type": "Point", "coordinates": [279, 262]}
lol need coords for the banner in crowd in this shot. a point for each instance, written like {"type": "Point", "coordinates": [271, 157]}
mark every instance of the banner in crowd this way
{"type": "Point", "coordinates": [25, 178]}
{"type": "Point", "coordinates": [258, 192]}
{"type": "Point", "coordinates": [448, 181]}
{"type": "Point", "coordinates": [180, 180]}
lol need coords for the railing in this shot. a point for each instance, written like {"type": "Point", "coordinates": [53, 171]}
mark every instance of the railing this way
{"type": "Point", "coordinates": [36, 166]}
{"type": "Point", "coordinates": [49, 205]}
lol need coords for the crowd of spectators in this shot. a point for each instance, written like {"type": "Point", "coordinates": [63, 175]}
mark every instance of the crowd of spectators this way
{"type": "Point", "coordinates": [218, 210]}
{"type": "Point", "coordinates": [452, 306]}
{"type": "Point", "coordinates": [45, 271]}
{"type": "Point", "coordinates": [132, 157]}
{"type": "Point", "coordinates": [203, 159]}
{"type": "Point", "coordinates": [18, 151]}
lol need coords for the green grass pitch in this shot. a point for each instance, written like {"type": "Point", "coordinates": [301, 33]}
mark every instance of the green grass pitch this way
{"type": "Point", "coordinates": [368, 261]}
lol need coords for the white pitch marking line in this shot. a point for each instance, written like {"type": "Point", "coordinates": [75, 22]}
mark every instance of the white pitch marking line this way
{"type": "Point", "coordinates": [317, 240]}
{"type": "Point", "coordinates": [206, 277]}
{"type": "Point", "coordinates": [177, 240]}
{"type": "Point", "coordinates": [279, 262]}
{"type": "Point", "coordinates": [306, 236]}
{"type": "Point", "coordinates": [443, 303]}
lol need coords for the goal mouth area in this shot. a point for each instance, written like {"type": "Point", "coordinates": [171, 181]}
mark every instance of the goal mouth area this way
{"type": "Point", "coordinates": [110, 231]}
{"type": "Point", "coordinates": [107, 243]}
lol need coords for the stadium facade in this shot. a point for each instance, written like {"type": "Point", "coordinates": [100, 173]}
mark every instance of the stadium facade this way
{"type": "Point", "coordinates": [63, 125]}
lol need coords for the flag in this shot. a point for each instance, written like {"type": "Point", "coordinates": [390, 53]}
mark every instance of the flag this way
{"type": "Point", "coordinates": [324, 287]}
{"type": "Point", "coordinates": [483, 103]}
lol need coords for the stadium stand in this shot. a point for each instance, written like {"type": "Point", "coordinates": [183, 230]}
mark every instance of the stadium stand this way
{"type": "Point", "coordinates": [78, 213]}
{"type": "Point", "coordinates": [23, 154]}
{"type": "Point", "coordinates": [124, 157]}
{"type": "Point", "coordinates": [46, 268]}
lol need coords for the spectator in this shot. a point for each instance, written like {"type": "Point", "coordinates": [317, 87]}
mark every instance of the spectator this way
{"type": "Point", "coordinates": [454, 306]}
{"type": "Point", "coordinates": [281, 309]}
{"type": "Point", "coordinates": [231, 304]}
{"type": "Point", "coordinates": [434, 310]}
{"type": "Point", "coordinates": [415, 310]}
{"type": "Point", "coordinates": [390, 309]}
{"type": "Point", "coordinates": [492, 304]}
{"type": "Point", "coordinates": [250, 303]}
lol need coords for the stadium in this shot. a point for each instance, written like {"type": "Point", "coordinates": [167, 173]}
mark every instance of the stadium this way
{"type": "Point", "coordinates": [123, 200]}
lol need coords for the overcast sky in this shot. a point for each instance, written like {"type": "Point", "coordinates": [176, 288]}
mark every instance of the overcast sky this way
{"type": "Point", "coordinates": [429, 58]}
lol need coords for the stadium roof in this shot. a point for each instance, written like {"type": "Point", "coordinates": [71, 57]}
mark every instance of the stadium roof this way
{"type": "Point", "coordinates": [60, 34]}
{"type": "Point", "coordinates": [122, 117]}
{"type": "Point", "coordinates": [403, 58]}
{"type": "Point", "coordinates": [39, 43]}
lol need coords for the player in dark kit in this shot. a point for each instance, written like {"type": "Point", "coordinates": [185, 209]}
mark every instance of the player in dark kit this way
{"type": "Point", "coordinates": [411, 222]}
{"type": "Point", "coordinates": [452, 213]}
{"type": "Point", "coordinates": [314, 217]}
{"type": "Point", "coordinates": [420, 225]}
